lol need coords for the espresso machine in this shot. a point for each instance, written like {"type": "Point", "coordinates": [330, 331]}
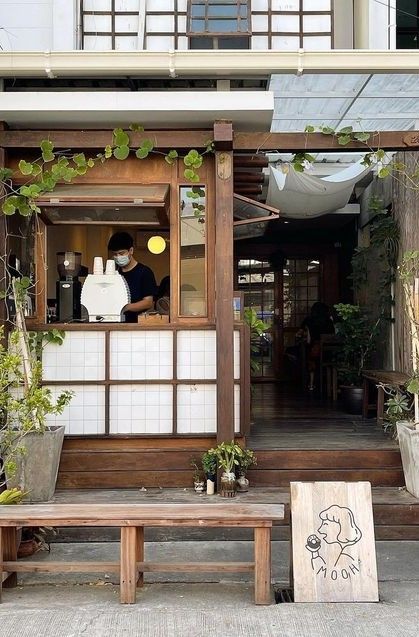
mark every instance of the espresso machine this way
{"type": "Point", "coordinates": [68, 286]}
{"type": "Point", "coordinates": [105, 294]}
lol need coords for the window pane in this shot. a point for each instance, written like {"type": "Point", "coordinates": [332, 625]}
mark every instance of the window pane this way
{"type": "Point", "coordinates": [197, 26]}
{"type": "Point", "coordinates": [407, 40]}
{"type": "Point", "coordinates": [198, 11]}
{"type": "Point", "coordinates": [201, 43]}
{"type": "Point", "coordinates": [193, 289]}
{"type": "Point", "coordinates": [406, 13]}
{"type": "Point", "coordinates": [223, 10]}
{"type": "Point", "coordinates": [222, 26]}
{"type": "Point", "coordinates": [234, 43]}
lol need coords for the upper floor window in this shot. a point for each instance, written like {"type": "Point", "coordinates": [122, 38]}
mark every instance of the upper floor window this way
{"type": "Point", "coordinates": [219, 24]}
{"type": "Point", "coordinates": [109, 24]}
{"type": "Point", "coordinates": [407, 20]}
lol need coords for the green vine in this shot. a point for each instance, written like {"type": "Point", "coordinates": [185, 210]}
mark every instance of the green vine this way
{"type": "Point", "coordinates": [53, 167]}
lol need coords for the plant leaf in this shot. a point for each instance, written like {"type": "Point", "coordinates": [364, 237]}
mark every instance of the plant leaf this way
{"type": "Point", "coordinates": [120, 137]}
{"type": "Point", "coordinates": [25, 167]}
{"type": "Point", "coordinates": [121, 152]}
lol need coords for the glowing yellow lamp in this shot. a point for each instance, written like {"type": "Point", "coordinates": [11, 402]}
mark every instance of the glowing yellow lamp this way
{"type": "Point", "coordinates": [156, 244]}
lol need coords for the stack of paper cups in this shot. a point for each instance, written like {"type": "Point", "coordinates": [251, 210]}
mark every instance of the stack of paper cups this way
{"type": "Point", "coordinates": [110, 267]}
{"type": "Point", "coordinates": [97, 265]}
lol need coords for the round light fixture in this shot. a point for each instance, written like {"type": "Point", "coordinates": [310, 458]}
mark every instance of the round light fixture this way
{"type": "Point", "coordinates": [156, 244]}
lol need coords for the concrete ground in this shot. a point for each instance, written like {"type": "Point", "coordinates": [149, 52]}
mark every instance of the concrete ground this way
{"type": "Point", "coordinates": [46, 605]}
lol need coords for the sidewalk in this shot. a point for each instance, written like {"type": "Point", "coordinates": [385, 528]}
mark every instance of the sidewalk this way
{"type": "Point", "coordinates": [205, 608]}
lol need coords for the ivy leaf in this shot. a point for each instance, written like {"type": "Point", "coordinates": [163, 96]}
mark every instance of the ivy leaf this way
{"type": "Point", "coordinates": [384, 172]}
{"type": "Point", "coordinates": [36, 170]}
{"type": "Point", "coordinates": [136, 127]}
{"type": "Point", "coordinates": [362, 137]}
{"type": "Point", "coordinates": [25, 167]}
{"type": "Point", "coordinates": [81, 170]}
{"type": "Point", "coordinates": [31, 191]}
{"type": "Point", "coordinates": [120, 137]}
{"type": "Point", "coordinates": [343, 140]}
{"type": "Point", "coordinates": [346, 130]}
{"type": "Point", "coordinates": [326, 130]}
{"type": "Point", "coordinates": [192, 195]}
{"type": "Point", "coordinates": [299, 168]}
{"type": "Point", "coordinates": [25, 282]}
{"type": "Point", "coordinates": [108, 152]}
{"type": "Point", "coordinates": [79, 159]}
{"type": "Point", "coordinates": [367, 160]}
{"type": "Point", "coordinates": [380, 154]}
{"type": "Point", "coordinates": [191, 175]}
{"type": "Point", "coordinates": [5, 173]}
{"type": "Point", "coordinates": [309, 157]}
{"type": "Point", "coordinates": [47, 147]}
{"type": "Point", "coordinates": [171, 156]}
{"type": "Point", "coordinates": [121, 152]}
{"type": "Point", "coordinates": [148, 145]}
{"type": "Point", "coordinates": [91, 163]}
{"type": "Point", "coordinates": [141, 153]}
{"type": "Point", "coordinates": [9, 206]}
{"type": "Point", "coordinates": [309, 129]}
{"type": "Point", "coordinates": [193, 158]}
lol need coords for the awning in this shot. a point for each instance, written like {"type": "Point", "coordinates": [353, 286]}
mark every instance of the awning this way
{"type": "Point", "coordinates": [301, 195]}
{"type": "Point", "coordinates": [98, 204]}
{"type": "Point", "coordinates": [251, 217]}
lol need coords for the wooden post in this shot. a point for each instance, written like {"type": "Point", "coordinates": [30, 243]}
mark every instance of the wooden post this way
{"type": "Point", "coordinates": [1, 560]}
{"type": "Point", "coordinates": [3, 247]}
{"type": "Point", "coordinates": [223, 140]}
{"type": "Point", "coordinates": [128, 565]}
{"type": "Point", "coordinates": [140, 553]}
{"type": "Point", "coordinates": [263, 565]}
{"type": "Point", "coordinates": [10, 554]}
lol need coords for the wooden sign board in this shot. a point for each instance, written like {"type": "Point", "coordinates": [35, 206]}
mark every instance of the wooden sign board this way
{"type": "Point", "coordinates": [333, 545]}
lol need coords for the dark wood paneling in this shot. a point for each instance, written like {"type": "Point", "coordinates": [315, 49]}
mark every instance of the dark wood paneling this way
{"type": "Point", "coordinates": [120, 443]}
{"type": "Point", "coordinates": [80, 461]}
{"type": "Point", "coordinates": [377, 477]}
{"type": "Point", "coordinates": [325, 459]}
{"type": "Point", "coordinates": [123, 479]}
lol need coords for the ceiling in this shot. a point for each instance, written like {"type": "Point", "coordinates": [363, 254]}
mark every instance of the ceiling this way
{"type": "Point", "coordinates": [368, 102]}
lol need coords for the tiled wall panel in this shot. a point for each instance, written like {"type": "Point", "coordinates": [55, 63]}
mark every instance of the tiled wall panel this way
{"type": "Point", "coordinates": [196, 355]}
{"type": "Point", "coordinates": [86, 412]}
{"type": "Point", "coordinates": [80, 357]}
{"type": "Point", "coordinates": [196, 409]}
{"type": "Point", "coordinates": [144, 355]}
{"type": "Point", "coordinates": [141, 409]}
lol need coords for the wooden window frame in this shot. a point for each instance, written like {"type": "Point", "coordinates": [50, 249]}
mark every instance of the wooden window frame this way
{"type": "Point", "coordinates": [208, 19]}
{"type": "Point", "coordinates": [176, 33]}
{"type": "Point", "coordinates": [409, 30]}
{"type": "Point", "coordinates": [113, 34]}
{"type": "Point", "coordinates": [300, 34]}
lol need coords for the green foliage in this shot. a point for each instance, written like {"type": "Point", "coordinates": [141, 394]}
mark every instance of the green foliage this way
{"type": "Point", "coordinates": [70, 165]}
{"type": "Point", "coordinates": [228, 455]}
{"type": "Point", "coordinates": [257, 329]}
{"type": "Point", "coordinates": [11, 496]}
{"type": "Point", "coordinates": [398, 407]}
{"type": "Point", "coordinates": [197, 471]}
{"type": "Point", "coordinates": [24, 405]}
{"type": "Point", "coordinates": [358, 336]}
{"type": "Point", "coordinates": [209, 462]}
{"type": "Point", "coordinates": [246, 460]}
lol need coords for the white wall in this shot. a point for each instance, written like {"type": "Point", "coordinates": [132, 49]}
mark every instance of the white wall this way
{"type": "Point", "coordinates": [33, 25]}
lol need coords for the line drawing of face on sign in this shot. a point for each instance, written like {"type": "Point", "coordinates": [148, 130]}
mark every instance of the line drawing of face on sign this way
{"type": "Point", "coordinates": [339, 527]}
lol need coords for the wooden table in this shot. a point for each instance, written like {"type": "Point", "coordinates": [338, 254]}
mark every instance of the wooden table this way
{"type": "Point", "coordinates": [132, 518]}
{"type": "Point", "coordinates": [380, 377]}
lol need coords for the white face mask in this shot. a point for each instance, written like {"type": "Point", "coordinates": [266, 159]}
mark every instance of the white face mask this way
{"type": "Point", "coordinates": [122, 259]}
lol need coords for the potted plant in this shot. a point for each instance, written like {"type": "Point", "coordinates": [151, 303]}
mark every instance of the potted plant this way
{"type": "Point", "coordinates": [245, 461]}
{"type": "Point", "coordinates": [198, 482]}
{"type": "Point", "coordinates": [29, 449]}
{"type": "Point", "coordinates": [228, 454]}
{"type": "Point", "coordinates": [357, 336]}
{"type": "Point", "coordinates": [257, 329]}
{"type": "Point", "coordinates": [209, 466]}
{"type": "Point", "coordinates": [408, 431]}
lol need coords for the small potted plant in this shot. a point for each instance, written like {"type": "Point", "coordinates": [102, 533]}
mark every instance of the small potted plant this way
{"type": "Point", "coordinates": [209, 466]}
{"type": "Point", "coordinates": [228, 454]}
{"type": "Point", "coordinates": [246, 460]}
{"type": "Point", "coordinates": [198, 482]}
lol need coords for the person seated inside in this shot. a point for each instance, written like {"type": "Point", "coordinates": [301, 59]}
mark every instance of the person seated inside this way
{"type": "Point", "coordinates": [162, 298]}
{"type": "Point", "coordinates": [140, 278]}
{"type": "Point", "coordinates": [317, 323]}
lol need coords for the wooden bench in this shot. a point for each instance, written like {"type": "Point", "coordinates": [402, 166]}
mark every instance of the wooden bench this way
{"type": "Point", "coordinates": [377, 377]}
{"type": "Point", "coordinates": [132, 518]}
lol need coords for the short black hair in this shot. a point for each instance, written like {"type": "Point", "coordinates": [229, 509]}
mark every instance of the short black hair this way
{"type": "Point", "coordinates": [120, 241]}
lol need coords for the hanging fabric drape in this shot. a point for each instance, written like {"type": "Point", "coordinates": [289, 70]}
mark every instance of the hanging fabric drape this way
{"type": "Point", "coordinates": [301, 195]}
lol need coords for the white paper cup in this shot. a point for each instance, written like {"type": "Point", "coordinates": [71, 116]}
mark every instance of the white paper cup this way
{"type": "Point", "coordinates": [97, 265]}
{"type": "Point", "coordinates": [110, 267]}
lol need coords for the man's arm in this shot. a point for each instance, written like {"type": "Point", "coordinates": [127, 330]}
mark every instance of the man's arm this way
{"type": "Point", "coordinates": [140, 306]}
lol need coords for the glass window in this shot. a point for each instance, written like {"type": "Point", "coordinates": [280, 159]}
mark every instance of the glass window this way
{"type": "Point", "coordinates": [301, 289]}
{"type": "Point", "coordinates": [231, 17]}
{"type": "Point", "coordinates": [193, 252]}
{"type": "Point", "coordinates": [407, 20]}
{"type": "Point", "coordinates": [106, 24]}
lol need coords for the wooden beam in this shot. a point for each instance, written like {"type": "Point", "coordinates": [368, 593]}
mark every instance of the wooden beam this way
{"type": "Point", "coordinates": [223, 135]}
{"type": "Point", "coordinates": [224, 292]}
{"type": "Point", "coordinates": [98, 139]}
{"type": "Point", "coordinates": [316, 142]}
{"type": "Point", "coordinates": [3, 246]}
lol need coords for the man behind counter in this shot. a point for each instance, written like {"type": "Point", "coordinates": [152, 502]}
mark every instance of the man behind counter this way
{"type": "Point", "coordinates": [140, 278]}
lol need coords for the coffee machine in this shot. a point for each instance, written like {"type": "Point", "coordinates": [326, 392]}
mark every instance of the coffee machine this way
{"type": "Point", "coordinates": [68, 286]}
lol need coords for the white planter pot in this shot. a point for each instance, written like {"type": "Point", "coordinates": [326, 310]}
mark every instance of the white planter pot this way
{"type": "Point", "coordinates": [37, 468]}
{"type": "Point", "coordinates": [408, 437]}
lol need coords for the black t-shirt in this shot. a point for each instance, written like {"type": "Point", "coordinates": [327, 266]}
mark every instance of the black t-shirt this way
{"type": "Point", "coordinates": [141, 283]}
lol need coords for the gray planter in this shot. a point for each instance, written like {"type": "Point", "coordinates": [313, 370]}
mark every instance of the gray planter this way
{"type": "Point", "coordinates": [38, 466]}
{"type": "Point", "coordinates": [409, 448]}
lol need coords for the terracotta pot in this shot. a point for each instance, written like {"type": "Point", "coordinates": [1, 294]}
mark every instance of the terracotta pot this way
{"type": "Point", "coordinates": [228, 485]}
{"type": "Point", "coordinates": [28, 547]}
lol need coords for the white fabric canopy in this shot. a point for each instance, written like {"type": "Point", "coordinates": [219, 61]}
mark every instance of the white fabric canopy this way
{"type": "Point", "coordinates": [301, 195]}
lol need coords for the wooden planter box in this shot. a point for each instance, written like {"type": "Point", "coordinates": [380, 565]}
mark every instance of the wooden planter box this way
{"type": "Point", "coordinates": [408, 437]}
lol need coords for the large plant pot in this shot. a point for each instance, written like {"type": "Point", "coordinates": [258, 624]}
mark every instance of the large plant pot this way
{"type": "Point", "coordinates": [352, 398]}
{"type": "Point", "coordinates": [37, 468]}
{"type": "Point", "coordinates": [408, 437]}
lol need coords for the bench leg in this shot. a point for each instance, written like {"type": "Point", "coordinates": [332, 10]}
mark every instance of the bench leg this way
{"type": "Point", "coordinates": [128, 566]}
{"type": "Point", "coordinates": [263, 565]}
{"type": "Point", "coordinates": [10, 554]}
{"type": "Point", "coordinates": [366, 398]}
{"type": "Point", "coordinates": [380, 405]}
{"type": "Point", "coordinates": [140, 553]}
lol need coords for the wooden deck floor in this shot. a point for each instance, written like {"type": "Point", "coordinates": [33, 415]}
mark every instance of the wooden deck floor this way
{"type": "Point", "coordinates": [284, 417]}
